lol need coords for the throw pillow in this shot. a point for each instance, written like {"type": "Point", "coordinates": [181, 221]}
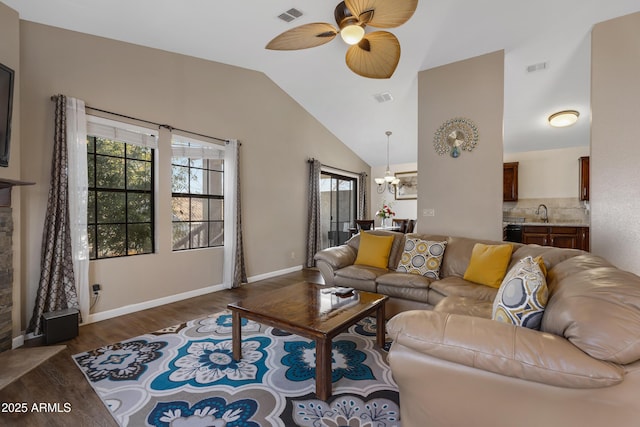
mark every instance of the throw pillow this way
{"type": "Point", "coordinates": [488, 264]}
{"type": "Point", "coordinates": [522, 296]}
{"type": "Point", "coordinates": [422, 257]}
{"type": "Point", "coordinates": [374, 250]}
{"type": "Point", "coordinates": [541, 264]}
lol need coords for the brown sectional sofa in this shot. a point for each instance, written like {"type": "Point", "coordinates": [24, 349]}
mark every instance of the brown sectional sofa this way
{"type": "Point", "coordinates": [410, 291]}
{"type": "Point", "coordinates": [455, 366]}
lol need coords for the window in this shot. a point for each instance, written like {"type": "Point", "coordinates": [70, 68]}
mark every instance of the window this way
{"type": "Point", "coordinates": [120, 164]}
{"type": "Point", "coordinates": [197, 194]}
{"type": "Point", "coordinates": [338, 207]}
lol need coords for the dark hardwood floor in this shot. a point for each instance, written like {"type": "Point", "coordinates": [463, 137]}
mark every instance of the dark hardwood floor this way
{"type": "Point", "coordinates": [59, 381]}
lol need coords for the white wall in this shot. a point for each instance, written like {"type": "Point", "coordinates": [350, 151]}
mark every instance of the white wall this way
{"type": "Point", "coordinates": [548, 173]}
{"type": "Point", "coordinates": [615, 146]}
{"type": "Point", "coordinates": [403, 208]}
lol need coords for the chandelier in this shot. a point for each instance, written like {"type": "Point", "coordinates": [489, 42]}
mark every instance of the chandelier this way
{"type": "Point", "coordinates": [389, 181]}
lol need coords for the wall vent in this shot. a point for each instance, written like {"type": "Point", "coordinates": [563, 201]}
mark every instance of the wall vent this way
{"type": "Point", "coordinates": [537, 67]}
{"type": "Point", "coordinates": [383, 97]}
{"type": "Point", "coordinates": [290, 15]}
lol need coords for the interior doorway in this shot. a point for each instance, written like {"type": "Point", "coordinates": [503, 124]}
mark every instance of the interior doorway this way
{"type": "Point", "coordinates": [338, 207]}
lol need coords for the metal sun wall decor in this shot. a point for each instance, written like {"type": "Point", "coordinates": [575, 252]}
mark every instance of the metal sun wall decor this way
{"type": "Point", "coordinates": [454, 136]}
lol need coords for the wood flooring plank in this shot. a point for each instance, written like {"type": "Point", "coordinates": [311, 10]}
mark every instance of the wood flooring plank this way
{"type": "Point", "coordinates": [58, 380]}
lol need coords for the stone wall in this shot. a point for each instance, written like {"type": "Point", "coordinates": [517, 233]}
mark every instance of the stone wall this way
{"type": "Point", "coordinates": [6, 278]}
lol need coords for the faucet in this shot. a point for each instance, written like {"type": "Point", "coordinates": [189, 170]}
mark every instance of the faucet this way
{"type": "Point", "coordinates": [544, 217]}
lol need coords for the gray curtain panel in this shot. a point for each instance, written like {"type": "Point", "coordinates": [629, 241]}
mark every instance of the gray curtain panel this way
{"type": "Point", "coordinates": [313, 234]}
{"type": "Point", "coordinates": [57, 288]}
{"type": "Point", "coordinates": [239, 273]}
{"type": "Point", "coordinates": [363, 205]}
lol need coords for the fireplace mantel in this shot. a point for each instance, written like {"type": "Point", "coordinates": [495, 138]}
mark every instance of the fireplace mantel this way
{"type": "Point", "coordinates": [5, 189]}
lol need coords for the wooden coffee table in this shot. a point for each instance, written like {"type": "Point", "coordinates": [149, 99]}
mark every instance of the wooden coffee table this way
{"type": "Point", "coordinates": [308, 310]}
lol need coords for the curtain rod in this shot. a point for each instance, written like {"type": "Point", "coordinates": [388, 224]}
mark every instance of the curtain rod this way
{"type": "Point", "coordinates": [160, 125]}
{"type": "Point", "coordinates": [311, 160]}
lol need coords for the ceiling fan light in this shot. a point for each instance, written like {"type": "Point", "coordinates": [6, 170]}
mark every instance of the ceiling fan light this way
{"type": "Point", "coordinates": [563, 118]}
{"type": "Point", "coordinates": [352, 34]}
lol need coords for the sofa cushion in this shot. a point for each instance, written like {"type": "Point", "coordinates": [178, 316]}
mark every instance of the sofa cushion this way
{"type": "Point", "coordinates": [465, 306]}
{"type": "Point", "coordinates": [457, 286]}
{"type": "Point", "coordinates": [374, 250]}
{"type": "Point", "coordinates": [406, 286]}
{"type": "Point", "coordinates": [596, 308]}
{"type": "Point", "coordinates": [422, 257]}
{"type": "Point", "coordinates": [488, 264]}
{"type": "Point", "coordinates": [522, 296]}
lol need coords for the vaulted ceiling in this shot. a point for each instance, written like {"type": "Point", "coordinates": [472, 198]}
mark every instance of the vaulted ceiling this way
{"type": "Point", "coordinates": [550, 32]}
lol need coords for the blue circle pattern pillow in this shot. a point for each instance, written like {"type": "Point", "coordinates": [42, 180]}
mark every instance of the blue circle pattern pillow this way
{"type": "Point", "coordinates": [422, 257]}
{"type": "Point", "coordinates": [522, 296]}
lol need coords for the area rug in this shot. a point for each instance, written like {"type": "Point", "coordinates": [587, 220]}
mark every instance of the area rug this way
{"type": "Point", "coordinates": [185, 376]}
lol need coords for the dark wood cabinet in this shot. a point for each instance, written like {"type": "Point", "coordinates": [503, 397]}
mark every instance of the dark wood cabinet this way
{"type": "Point", "coordinates": [510, 182]}
{"type": "Point", "coordinates": [557, 236]}
{"type": "Point", "coordinates": [584, 178]}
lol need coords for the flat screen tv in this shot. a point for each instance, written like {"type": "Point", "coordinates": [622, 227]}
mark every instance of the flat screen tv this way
{"type": "Point", "coordinates": [6, 106]}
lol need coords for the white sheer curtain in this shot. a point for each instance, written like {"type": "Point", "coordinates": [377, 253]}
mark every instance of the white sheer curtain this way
{"type": "Point", "coordinates": [234, 270]}
{"type": "Point", "coordinates": [78, 195]}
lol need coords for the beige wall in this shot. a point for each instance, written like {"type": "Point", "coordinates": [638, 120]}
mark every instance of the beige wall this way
{"type": "Point", "coordinates": [466, 193]}
{"type": "Point", "coordinates": [615, 149]}
{"type": "Point", "coordinates": [548, 173]}
{"type": "Point", "coordinates": [10, 56]}
{"type": "Point", "coordinates": [277, 137]}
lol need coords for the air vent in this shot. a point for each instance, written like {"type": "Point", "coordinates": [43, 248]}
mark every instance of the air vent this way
{"type": "Point", "coordinates": [383, 97]}
{"type": "Point", "coordinates": [537, 67]}
{"type": "Point", "coordinates": [290, 15]}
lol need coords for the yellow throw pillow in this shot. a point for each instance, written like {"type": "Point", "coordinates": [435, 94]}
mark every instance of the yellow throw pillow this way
{"type": "Point", "coordinates": [488, 264]}
{"type": "Point", "coordinates": [374, 250]}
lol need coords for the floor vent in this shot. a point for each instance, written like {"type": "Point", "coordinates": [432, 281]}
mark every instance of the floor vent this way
{"type": "Point", "coordinates": [290, 15]}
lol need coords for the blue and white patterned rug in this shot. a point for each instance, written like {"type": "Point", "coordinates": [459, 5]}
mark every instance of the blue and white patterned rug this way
{"type": "Point", "coordinates": [185, 376]}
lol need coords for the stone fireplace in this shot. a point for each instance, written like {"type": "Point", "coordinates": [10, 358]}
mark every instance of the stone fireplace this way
{"type": "Point", "coordinates": [6, 262]}
{"type": "Point", "coordinates": [6, 278]}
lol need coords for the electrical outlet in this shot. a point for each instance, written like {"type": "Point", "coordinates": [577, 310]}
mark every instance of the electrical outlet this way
{"type": "Point", "coordinates": [96, 288]}
{"type": "Point", "coordinates": [293, 255]}
{"type": "Point", "coordinates": [428, 212]}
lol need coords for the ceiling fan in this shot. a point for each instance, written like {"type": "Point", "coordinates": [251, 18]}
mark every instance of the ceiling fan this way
{"type": "Point", "coordinates": [375, 54]}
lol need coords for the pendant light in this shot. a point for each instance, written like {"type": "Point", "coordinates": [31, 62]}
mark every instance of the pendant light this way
{"type": "Point", "coordinates": [389, 181]}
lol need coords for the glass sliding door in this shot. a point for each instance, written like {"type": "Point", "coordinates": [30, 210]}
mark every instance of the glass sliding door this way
{"type": "Point", "coordinates": [338, 201]}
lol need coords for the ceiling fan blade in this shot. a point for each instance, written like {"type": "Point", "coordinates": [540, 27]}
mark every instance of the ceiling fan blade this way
{"type": "Point", "coordinates": [376, 56]}
{"type": "Point", "coordinates": [386, 13]}
{"type": "Point", "coordinates": [303, 37]}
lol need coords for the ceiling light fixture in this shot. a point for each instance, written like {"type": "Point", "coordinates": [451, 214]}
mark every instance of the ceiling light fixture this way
{"type": "Point", "coordinates": [389, 181]}
{"type": "Point", "coordinates": [352, 34]}
{"type": "Point", "coordinates": [563, 118]}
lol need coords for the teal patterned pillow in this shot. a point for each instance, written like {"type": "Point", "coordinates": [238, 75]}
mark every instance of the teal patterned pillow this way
{"type": "Point", "coordinates": [422, 257]}
{"type": "Point", "coordinates": [522, 296]}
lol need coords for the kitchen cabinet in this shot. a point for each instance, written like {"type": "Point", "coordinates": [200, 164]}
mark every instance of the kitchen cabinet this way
{"type": "Point", "coordinates": [584, 178]}
{"type": "Point", "coordinates": [557, 236]}
{"type": "Point", "coordinates": [510, 182]}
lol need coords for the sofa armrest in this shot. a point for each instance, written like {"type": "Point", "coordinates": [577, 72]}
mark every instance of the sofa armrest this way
{"type": "Point", "coordinates": [502, 349]}
{"type": "Point", "coordinates": [331, 259]}
{"type": "Point", "coordinates": [337, 256]}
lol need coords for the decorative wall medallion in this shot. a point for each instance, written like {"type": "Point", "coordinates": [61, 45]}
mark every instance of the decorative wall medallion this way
{"type": "Point", "coordinates": [454, 136]}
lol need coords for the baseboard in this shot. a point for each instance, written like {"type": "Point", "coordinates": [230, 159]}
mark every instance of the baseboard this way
{"type": "Point", "coordinates": [17, 341]}
{"type": "Point", "coordinates": [132, 308]}
{"type": "Point", "coordinates": [274, 274]}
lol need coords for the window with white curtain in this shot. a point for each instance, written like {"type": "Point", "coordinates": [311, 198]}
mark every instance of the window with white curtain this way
{"type": "Point", "coordinates": [120, 161]}
{"type": "Point", "coordinates": [197, 193]}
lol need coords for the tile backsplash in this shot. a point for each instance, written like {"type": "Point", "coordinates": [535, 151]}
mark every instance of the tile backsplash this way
{"type": "Point", "coordinates": [559, 210]}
